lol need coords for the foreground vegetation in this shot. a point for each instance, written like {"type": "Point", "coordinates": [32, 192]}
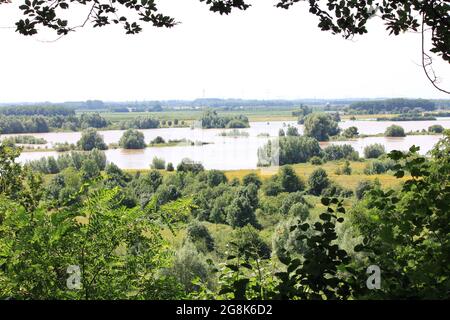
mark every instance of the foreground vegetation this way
{"type": "Point", "coordinates": [306, 231]}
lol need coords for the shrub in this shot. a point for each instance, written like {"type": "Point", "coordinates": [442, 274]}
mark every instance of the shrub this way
{"type": "Point", "coordinates": [158, 140]}
{"type": "Point", "coordinates": [199, 235]}
{"type": "Point", "coordinates": [338, 152]}
{"type": "Point", "coordinates": [318, 181]}
{"type": "Point", "coordinates": [350, 132]}
{"type": "Point", "coordinates": [252, 178]}
{"type": "Point", "coordinates": [394, 131]}
{"type": "Point", "coordinates": [170, 167]}
{"type": "Point", "coordinates": [316, 161]}
{"type": "Point", "coordinates": [364, 186]}
{"type": "Point", "coordinates": [374, 151]}
{"type": "Point", "coordinates": [132, 139]}
{"type": "Point", "coordinates": [436, 128]}
{"type": "Point", "coordinates": [90, 139]}
{"type": "Point", "coordinates": [320, 126]}
{"type": "Point", "coordinates": [158, 163]}
{"type": "Point", "coordinates": [289, 180]}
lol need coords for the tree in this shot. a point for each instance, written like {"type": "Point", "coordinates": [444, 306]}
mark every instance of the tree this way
{"type": "Point", "coordinates": [132, 139]}
{"type": "Point", "coordinates": [436, 128]}
{"type": "Point", "coordinates": [252, 178]}
{"type": "Point", "coordinates": [90, 169]}
{"type": "Point", "coordinates": [91, 139]}
{"type": "Point", "coordinates": [406, 231]}
{"type": "Point", "coordinates": [289, 180]}
{"type": "Point", "coordinates": [292, 131]}
{"type": "Point", "coordinates": [318, 181]}
{"type": "Point", "coordinates": [320, 126]}
{"type": "Point", "coordinates": [242, 210]}
{"type": "Point", "coordinates": [350, 132]}
{"type": "Point", "coordinates": [199, 235]}
{"type": "Point", "coordinates": [338, 152]}
{"type": "Point", "coordinates": [170, 167]}
{"type": "Point", "coordinates": [394, 131]}
{"type": "Point", "coordinates": [158, 163]}
{"type": "Point", "coordinates": [373, 151]}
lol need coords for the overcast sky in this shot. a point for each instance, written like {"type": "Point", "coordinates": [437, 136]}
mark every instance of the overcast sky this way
{"type": "Point", "coordinates": [261, 53]}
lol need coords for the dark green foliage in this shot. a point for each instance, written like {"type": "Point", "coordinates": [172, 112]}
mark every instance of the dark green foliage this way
{"type": "Point", "coordinates": [158, 140]}
{"type": "Point", "coordinates": [392, 105]}
{"type": "Point", "coordinates": [187, 165]}
{"type": "Point", "coordinates": [289, 150]}
{"type": "Point", "coordinates": [379, 167]}
{"type": "Point", "coordinates": [290, 200]}
{"type": "Point", "coordinates": [394, 131]}
{"type": "Point", "coordinates": [199, 235]}
{"type": "Point", "coordinates": [241, 212]}
{"type": "Point", "coordinates": [316, 161]}
{"type": "Point", "coordinates": [158, 163]}
{"type": "Point", "coordinates": [320, 126]}
{"type": "Point", "coordinates": [170, 167]}
{"type": "Point", "coordinates": [364, 186]}
{"type": "Point", "coordinates": [24, 140]}
{"type": "Point", "coordinates": [292, 131]}
{"type": "Point", "coordinates": [37, 111]}
{"type": "Point", "coordinates": [132, 139]}
{"type": "Point", "coordinates": [249, 243]}
{"type": "Point", "coordinates": [252, 178]}
{"type": "Point", "coordinates": [210, 119]}
{"type": "Point", "coordinates": [140, 123]}
{"type": "Point", "coordinates": [340, 151]}
{"type": "Point", "coordinates": [318, 181]}
{"type": "Point", "coordinates": [90, 139]}
{"type": "Point", "coordinates": [350, 132]}
{"type": "Point", "coordinates": [289, 180]}
{"type": "Point", "coordinates": [92, 120]}
{"type": "Point", "coordinates": [374, 151]}
{"type": "Point", "coordinates": [436, 128]}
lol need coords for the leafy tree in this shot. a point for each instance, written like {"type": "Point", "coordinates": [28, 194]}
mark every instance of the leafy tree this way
{"type": "Point", "coordinates": [320, 126]}
{"type": "Point", "coordinates": [338, 152]}
{"type": "Point", "coordinates": [406, 231]}
{"type": "Point", "coordinates": [318, 181]}
{"type": "Point", "coordinates": [199, 235]}
{"type": "Point", "coordinates": [92, 120]}
{"type": "Point", "coordinates": [91, 139]}
{"type": "Point", "coordinates": [292, 131]}
{"type": "Point", "coordinates": [350, 132]}
{"type": "Point", "coordinates": [252, 178]}
{"type": "Point", "coordinates": [364, 186]}
{"type": "Point", "coordinates": [170, 167]}
{"type": "Point", "coordinates": [242, 210]}
{"type": "Point", "coordinates": [436, 128]}
{"type": "Point", "coordinates": [289, 180]}
{"type": "Point", "coordinates": [394, 131]}
{"type": "Point", "coordinates": [289, 150]}
{"type": "Point", "coordinates": [158, 163]}
{"type": "Point", "coordinates": [132, 139]}
{"type": "Point", "coordinates": [90, 169]}
{"type": "Point", "coordinates": [188, 165]}
{"type": "Point", "coordinates": [374, 151]}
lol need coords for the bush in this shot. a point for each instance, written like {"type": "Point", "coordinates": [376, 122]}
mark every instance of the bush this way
{"type": "Point", "coordinates": [252, 178]}
{"type": "Point", "coordinates": [272, 187]}
{"type": "Point", "coordinates": [318, 181]}
{"type": "Point", "coordinates": [290, 150]}
{"type": "Point", "coordinates": [379, 167]}
{"type": "Point", "coordinates": [249, 241]}
{"type": "Point", "coordinates": [188, 165]}
{"type": "Point", "coordinates": [364, 186]}
{"type": "Point", "coordinates": [290, 200]}
{"type": "Point", "coordinates": [374, 151]}
{"type": "Point", "coordinates": [90, 139]}
{"type": "Point", "coordinates": [132, 139]}
{"type": "Point", "coordinates": [316, 161]}
{"type": "Point", "coordinates": [170, 167]}
{"type": "Point", "coordinates": [292, 131]}
{"type": "Point", "coordinates": [347, 170]}
{"type": "Point", "coordinates": [158, 140]}
{"type": "Point", "coordinates": [338, 152]}
{"type": "Point", "coordinates": [320, 126]}
{"type": "Point", "coordinates": [158, 163]}
{"type": "Point", "coordinates": [289, 180]}
{"type": "Point", "coordinates": [199, 235]}
{"type": "Point", "coordinates": [394, 131]}
{"type": "Point", "coordinates": [350, 132]}
{"type": "Point", "coordinates": [436, 128]}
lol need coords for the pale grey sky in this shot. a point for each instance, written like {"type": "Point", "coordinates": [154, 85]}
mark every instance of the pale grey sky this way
{"type": "Point", "coordinates": [262, 53]}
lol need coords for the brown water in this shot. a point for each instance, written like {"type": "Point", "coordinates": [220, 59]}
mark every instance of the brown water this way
{"type": "Point", "coordinates": [229, 153]}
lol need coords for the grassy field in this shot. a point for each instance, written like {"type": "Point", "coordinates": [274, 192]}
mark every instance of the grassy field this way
{"type": "Point", "coordinates": [303, 170]}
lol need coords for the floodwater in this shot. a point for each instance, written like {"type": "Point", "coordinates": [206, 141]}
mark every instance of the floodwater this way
{"type": "Point", "coordinates": [231, 153]}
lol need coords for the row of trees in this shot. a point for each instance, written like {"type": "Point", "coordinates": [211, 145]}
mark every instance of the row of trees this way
{"type": "Point", "coordinates": [393, 106]}
{"type": "Point", "coordinates": [211, 119]}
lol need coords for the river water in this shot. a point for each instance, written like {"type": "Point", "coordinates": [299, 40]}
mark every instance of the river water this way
{"type": "Point", "coordinates": [231, 153]}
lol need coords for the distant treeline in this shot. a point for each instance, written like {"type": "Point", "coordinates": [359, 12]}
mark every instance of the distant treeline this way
{"type": "Point", "coordinates": [408, 117]}
{"type": "Point", "coordinates": [38, 123]}
{"type": "Point", "coordinates": [393, 106]}
{"type": "Point", "coordinates": [37, 111]}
